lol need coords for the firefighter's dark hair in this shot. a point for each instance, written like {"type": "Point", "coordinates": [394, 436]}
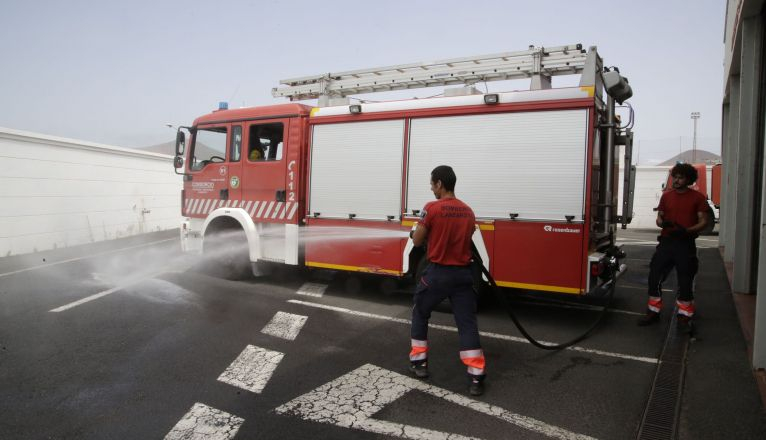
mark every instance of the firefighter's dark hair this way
{"type": "Point", "coordinates": [686, 170]}
{"type": "Point", "coordinates": [446, 175]}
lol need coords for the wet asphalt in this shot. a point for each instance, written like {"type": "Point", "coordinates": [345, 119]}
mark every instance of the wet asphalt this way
{"type": "Point", "coordinates": [131, 364]}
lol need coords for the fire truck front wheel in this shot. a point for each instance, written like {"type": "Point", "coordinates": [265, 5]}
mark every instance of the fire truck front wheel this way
{"type": "Point", "coordinates": [226, 254]}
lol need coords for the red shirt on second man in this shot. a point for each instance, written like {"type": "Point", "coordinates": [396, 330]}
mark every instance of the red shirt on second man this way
{"type": "Point", "coordinates": [682, 208]}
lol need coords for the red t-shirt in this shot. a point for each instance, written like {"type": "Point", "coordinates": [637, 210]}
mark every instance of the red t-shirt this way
{"type": "Point", "coordinates": [682, 208]}
{"type": "Point", "coordinates": [450, 224]}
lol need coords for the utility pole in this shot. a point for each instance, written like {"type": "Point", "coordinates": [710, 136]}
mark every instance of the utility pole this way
{"type": "Point", "coordinates": [695, 116]}
{"type": "Point", "coordinates": [680, 147]}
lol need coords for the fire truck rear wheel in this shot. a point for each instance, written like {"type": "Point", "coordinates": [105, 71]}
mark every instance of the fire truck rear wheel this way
{"type": "Point", "coordinates": [227, 255]}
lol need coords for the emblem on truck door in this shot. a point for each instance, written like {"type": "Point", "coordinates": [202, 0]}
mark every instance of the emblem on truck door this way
{"type": "Point", "coordinates": [234, 182]}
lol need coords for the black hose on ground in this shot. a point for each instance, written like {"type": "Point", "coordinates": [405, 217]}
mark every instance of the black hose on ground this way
{"type": "Point", "coordinates": [504, 301]}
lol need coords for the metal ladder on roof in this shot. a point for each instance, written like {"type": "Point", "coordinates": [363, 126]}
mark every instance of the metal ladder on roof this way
{"type": "Point", "coordinates": [537, 63]}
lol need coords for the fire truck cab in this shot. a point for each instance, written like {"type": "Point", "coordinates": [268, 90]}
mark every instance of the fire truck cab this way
{"type": "Point", "coordinates": [539, 168]}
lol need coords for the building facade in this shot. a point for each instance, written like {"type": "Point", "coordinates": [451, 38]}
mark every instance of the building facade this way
{"type": "Point", "coordinates": [743, 201]}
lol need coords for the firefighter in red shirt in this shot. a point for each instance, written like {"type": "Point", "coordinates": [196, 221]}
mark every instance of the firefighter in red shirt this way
{"type": "Point", "coordinates": [682, 213]}
{"type": "Point", "coordinates": [448, 225]}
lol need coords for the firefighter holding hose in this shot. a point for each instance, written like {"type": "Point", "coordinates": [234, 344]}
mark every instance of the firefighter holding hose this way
{"type": "Point", "coordinates": [448, 225]}
{"type": "Point", "coordinates": [682, 214]}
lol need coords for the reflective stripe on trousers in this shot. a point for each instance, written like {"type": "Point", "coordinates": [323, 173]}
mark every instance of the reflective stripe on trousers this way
{"type": "Point", "coordinates": [474, 360]}
{"type": "Point", "coordinates": [685, 308]}
{"type": "Point", "coordinates": [655, 304]}
{"type": "Point", "coordinates": [419, 350]}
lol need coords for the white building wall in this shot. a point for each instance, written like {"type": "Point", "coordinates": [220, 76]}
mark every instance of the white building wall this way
{"type": "Point", "coordinates": [57, 192]}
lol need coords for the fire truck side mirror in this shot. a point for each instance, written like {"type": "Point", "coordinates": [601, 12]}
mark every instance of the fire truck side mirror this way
{"type": "Point", "coordinates": [178, 162]}
{"type": "Point", "coordinates": [180, 143]}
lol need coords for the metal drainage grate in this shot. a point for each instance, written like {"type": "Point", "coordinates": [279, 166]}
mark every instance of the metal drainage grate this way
{"type": "Point", "coordinates": [660, 419]}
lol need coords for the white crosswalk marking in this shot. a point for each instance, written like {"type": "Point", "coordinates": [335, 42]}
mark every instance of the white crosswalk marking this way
{"type": "Point", "coordinates": [285, 325]}
{"type": "Point", "coordinates": [205, 423]}
{"type": "Point", "coordinates": [252, 369]}
{"type": "Point", "coordinates": [351, 400]}
{"type": "Point", "coordinates": [312, 289]}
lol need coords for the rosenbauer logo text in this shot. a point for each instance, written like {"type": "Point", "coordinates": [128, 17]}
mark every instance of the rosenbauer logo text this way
{"type": "Point", "coordinates": [549, 228]}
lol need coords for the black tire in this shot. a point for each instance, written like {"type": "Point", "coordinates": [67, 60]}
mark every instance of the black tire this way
{"type": "Point", "coordinates": [226, 255]}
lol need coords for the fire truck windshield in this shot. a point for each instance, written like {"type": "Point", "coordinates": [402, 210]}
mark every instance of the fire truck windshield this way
{"type": "Point", "coordinates": [208, 146]}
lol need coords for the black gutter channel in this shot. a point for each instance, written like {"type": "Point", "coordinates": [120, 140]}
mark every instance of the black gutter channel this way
{"type": "Point", "coordinates": [660, 419]}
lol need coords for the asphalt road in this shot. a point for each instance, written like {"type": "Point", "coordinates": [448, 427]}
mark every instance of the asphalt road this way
{"type": "Point", "coordinates": [141, 343]}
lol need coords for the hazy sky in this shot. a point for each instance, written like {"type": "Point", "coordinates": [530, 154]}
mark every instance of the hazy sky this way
{"type": "Point", "coordinates": [115, 72]}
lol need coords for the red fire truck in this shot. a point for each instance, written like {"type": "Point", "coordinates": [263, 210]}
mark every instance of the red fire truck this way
{"type": "Point", "coordinates": [539, 167]}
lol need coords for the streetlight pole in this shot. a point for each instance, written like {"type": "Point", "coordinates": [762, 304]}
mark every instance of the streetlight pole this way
{"type": "Point", "coordinates": [695, 116]}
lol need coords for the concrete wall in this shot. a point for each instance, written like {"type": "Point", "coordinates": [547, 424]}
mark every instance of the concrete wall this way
{"type": "Point", "coordinates": [57, 192]}
{"type": "Point", "coordinates": [743, 187]}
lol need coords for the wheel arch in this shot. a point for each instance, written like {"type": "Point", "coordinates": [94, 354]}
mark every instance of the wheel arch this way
{"type": "Point", "coordinates": [223, 219]}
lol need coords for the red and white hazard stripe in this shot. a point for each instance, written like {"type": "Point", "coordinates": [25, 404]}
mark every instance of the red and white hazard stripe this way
{"type": "Point", "coordinates": [257, 209]}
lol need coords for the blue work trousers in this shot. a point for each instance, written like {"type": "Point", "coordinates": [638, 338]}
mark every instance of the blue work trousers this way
{"type": "Point", "coordinates": [456, 283]}
{"type": "Point", "coordinates": [678, 253]}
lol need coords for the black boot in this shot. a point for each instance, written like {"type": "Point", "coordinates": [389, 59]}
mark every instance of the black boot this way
{"type": "Point", "coordinates": [684, 324]}
{"type": "Point", "coordinates": [420, 369]}
{"type": "Point", "coordinates": [476, 387]}
{"type": "Point", "coordinates": [649, 319]}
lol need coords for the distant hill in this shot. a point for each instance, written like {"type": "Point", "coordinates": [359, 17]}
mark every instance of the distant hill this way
{"type": "Point", "coordinates": [689, 156]}
{"type": "Point", "coordinates": [166, 148]}
{"type": "Point", "coordinates": [170, 148]}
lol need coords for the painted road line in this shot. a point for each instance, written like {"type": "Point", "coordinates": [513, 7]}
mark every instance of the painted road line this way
{"type": "Point", "coordinates": [312, 289]}
{"type": "Point", "coordinates": [351, 400]}
{"type": "Point", "coordinates": [654, 243]}
{"type": "Point", "coordinates": [205, 423]}
{"type": "Point", "coordinates": [484, 334]}
{"type": "Point", "coordinates": [107, 292]}
{"type": "Point", "coordinates": [285, 325]}
{"type": "Point", "coordinates": [42, 266]}
{"type": "Point", "coordinates": [252, 369]}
